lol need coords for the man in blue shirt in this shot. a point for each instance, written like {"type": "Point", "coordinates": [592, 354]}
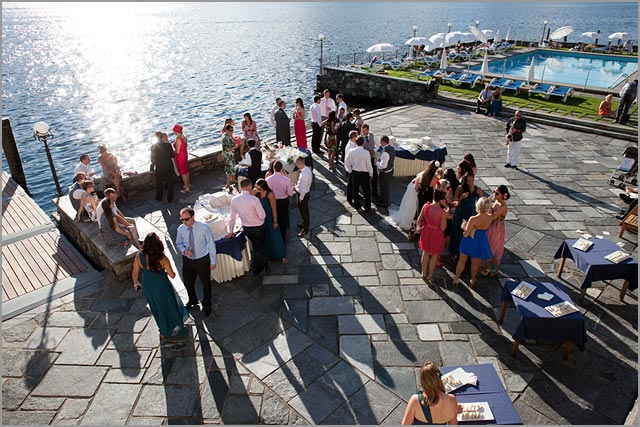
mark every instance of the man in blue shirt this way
{"type": "Point", "coordinates": [198, 248]}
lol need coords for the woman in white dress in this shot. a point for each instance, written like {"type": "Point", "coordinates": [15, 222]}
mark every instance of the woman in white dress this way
{"type": "Point", "coordinates": [405, 214]}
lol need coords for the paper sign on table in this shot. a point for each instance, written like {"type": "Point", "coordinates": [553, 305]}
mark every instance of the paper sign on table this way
{"type": "Point", "coordinates": [545, 296]}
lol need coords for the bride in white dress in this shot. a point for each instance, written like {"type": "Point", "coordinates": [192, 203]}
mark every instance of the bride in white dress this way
{"type": "Point", "coordinates": [405, 214]}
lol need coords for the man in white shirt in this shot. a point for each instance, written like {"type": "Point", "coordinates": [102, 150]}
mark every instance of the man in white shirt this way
{"type": "Point", "coordinates": [197, 245]}
{"type": "Point", "coordinates": [484, 100]}
{"type": "Point", "coordinates": [341, 103]}
{"type": "Point", "coordinates": [83, 166]}
{"type": "Point", "coordinates": [248, 207]}
{"type": "Point", "coordinates": [302, 188]}
{"type": "Point", "coordinates": [316, 123]}
{"type": "Point", "coordinates": [351, 145]}
{"type": "Point", "coordinates": [358, 164]}
{"type": "Point", "coordinates": [370, 146]}
{"type": "Point", "coordinates": [326, 104]}
{"type": "Point", "coordinates": [274, 109]}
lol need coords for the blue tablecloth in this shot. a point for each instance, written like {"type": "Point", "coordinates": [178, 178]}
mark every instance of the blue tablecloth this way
{"type": "Point", "coordinates": [500, 404]}
{"type": "Point", "coordinates": [488, 380]}
{"type": "Point", "coordinates": [537, 322]}
{"type": "Point", "coordinates": [232, 246]}
{"type": "Point", "coordinates": [438, 154]}
{"type": "Point", "coordinates": [489, 389]}
{"type": "Point", "coordinates": [595, 266]}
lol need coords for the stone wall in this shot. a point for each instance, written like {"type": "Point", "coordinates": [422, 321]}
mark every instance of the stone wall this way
{"type": "Point", "coordinates": [198, 165]}
{"type": "Point", "coordinates": [373, 89]}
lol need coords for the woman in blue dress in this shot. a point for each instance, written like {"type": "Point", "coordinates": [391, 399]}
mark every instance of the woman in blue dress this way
{"type": "Point", "coordinates": [165, 304]}
{"type": "Point", "coordinates": [274, 247]}
{"type": "Point", "coordinates": [466, 196]}
{"type": "Point", "coordinates": [475, 244]}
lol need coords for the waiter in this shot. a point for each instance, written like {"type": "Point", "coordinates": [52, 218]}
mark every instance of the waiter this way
{"type": "Point", "coordinates": [198, 248]}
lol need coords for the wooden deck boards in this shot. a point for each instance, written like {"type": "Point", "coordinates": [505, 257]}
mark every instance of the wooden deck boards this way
{"type": "Point", "coordinates": [33, 261]}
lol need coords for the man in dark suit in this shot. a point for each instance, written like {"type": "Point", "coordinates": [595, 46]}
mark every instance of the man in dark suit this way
{"type": "Point", "coordinates": [283, 127]}
{"type": "Point", "coordinates": [343, 133]}
{"type": "Point", "coordinates": [162, 158]}
{"type": "Point", "coordinates": [254, 171]}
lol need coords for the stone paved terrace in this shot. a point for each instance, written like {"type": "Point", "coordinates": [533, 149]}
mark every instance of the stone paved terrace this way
{"type": "Point", "coordinates": [338, 337]}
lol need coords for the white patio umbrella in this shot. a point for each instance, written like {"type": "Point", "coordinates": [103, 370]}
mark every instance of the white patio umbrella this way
{"type": "Point", "coordinates": [530, 73]}
{"type": "Point", "coordinates": [478, 34]}
{"type": "Point", "coordinates": [467, 37]}
{"type": "Point", "coordinates": [561, 32]}
{"type": "Point", "coordinates": [506, 38]}
{"type": "Point", "coordinates": [437, 39]}
{"type": "Point", "coordinates": [417, 41]}
{"type": "Point", "coordinates": [484, 70]}
{"type": "Point", "coordinates": [619, 36]}
{"type": "Point", "coordinates": [443, 60]}
{"type": "Point", "coordinates": [498, 37]}
{"type": "Point", "coordinates": [453, 37]}
{"type": "Point", "coordinates": [489, 34]}
{"type": "Point", "coordinates": [381, 48]}
{"type": "Point", "coordinates": [590, 35]}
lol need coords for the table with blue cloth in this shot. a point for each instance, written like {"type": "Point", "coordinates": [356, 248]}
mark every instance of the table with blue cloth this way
{"type": "Point", "coordinates": [537, 323]}
{"type": "Point", "coordinates": [233, 258]}
{"type": "Point", "coordinates": [489, 389]}
{"type": "Point", "coordinates": [408, 164]}
{"type": "Point", "coordinates": [593, 263]}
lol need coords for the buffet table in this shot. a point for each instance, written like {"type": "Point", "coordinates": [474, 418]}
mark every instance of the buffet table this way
{"type": "Point", "coordinates": [413, 155]}
{"type": "Point", "coordinates": [233, 254]}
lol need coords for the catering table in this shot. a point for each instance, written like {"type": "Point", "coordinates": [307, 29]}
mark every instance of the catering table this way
{"type": "Point", "coordinates": [413, 155]}
{"type": "Point", "coordinates": [233, 254]}
{"type": "Point", "coordinates": [537, 322]}
{"type": "Point", "coordinates": [596, 267]}
{"type": "Point", "coordinates": [489, 389]}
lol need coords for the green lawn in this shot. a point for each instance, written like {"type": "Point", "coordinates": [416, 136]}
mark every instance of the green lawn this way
{"type": "Point", "coordinates": [583, 107]}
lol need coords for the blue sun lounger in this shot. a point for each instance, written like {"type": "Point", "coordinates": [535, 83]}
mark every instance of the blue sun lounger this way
{"type": "Point", "coordinates": [512, 85]}
{"type": "Point", "coordinates": [550, 90]}
{"type": "Point", "coordinates": [499, 82]}
{"type": "Point", "coordinates": [471, 79]}
{"type": "Point", "coordinates": [431, 73]}
{"type": "Point", "coordinates": [454, 78]}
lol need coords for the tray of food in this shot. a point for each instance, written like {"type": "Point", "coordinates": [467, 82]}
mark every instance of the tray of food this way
{"type": "Point", "coordinates": [475, 411]}
{"type": "Point", "coordinates": [458, 378]}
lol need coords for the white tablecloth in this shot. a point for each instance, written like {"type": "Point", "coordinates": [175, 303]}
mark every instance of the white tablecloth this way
{"type": "Point", "coordinates": [213, 209]}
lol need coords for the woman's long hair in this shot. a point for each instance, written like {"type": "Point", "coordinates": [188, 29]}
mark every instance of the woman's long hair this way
{"type": "Point", "coordinates": [427, 175]}
{"type": "Point", "coordinates": [108, 212]}
{"type": "Point", "coordinates": [262, 183]}
{"type": "Point", "coordinates": [299, 102]}
{"type": "Point", "coordinates": [153, 248]}
{"type": "Point", "coordinates": [248, 117]}
{"type": "Point", "coordinates": [431, 383]}
{"type": "Point", "coordinates": [464, 184]}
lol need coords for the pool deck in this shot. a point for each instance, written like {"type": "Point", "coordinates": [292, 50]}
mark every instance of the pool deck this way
{"type": "Point", "coordinates": [339, 337]}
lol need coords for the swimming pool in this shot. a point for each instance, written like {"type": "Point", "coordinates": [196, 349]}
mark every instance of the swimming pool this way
{"type": "Point", "coordinates": [571, 68]}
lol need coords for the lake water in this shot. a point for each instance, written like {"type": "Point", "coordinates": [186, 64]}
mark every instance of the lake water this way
{"type": "Point", "coordinates": [115, 73]}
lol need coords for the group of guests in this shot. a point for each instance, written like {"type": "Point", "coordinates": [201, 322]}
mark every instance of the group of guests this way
{"type": "Point", "coordinates": [628, 97]}
{"type": "Point", "coordinates": [445, 208]}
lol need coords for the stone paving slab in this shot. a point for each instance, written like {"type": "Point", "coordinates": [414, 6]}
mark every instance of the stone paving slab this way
{"type": "Point", "coordinates": [356, 349]}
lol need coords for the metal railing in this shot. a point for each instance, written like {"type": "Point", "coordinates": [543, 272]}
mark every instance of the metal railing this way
{"type": "Point", "coordinates": [617, 81]}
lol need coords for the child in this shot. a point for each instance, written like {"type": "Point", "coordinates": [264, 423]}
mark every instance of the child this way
{"type": "Point", "coordinates": [432, 222]}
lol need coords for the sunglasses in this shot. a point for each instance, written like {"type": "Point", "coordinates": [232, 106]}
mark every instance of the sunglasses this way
{"type": "Point", "coordinates": [185, 219]}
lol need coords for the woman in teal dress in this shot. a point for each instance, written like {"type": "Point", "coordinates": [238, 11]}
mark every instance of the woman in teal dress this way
{"type": "Point", "coordinates": [274, 248]}
{"type": "Point", "coordinates": [466, 195]}
{"type": "Point", "coordinates": [165, 304]}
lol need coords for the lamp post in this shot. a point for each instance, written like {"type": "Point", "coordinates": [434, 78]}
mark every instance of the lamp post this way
{"type": "Point", "coordinates": [449, 25]}
{"type": "Point", "coordinates": [41, 132]}
{"type": "Point", "coordinates": [477, 24]}
{"type": "Point", "coordinates": [415, 29]}
{"type": "Point", "coordinates": [321, 38]}
{"type": "Point", "coordinates": [543, 30]}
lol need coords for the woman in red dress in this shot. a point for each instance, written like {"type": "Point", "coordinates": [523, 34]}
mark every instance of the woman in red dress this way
{"type": "Point", "coordinates": [182, 162]}
{"type": "Point", "coordinates": [298, 125]}
{"type": "Point", "coordinates": [432, 222]}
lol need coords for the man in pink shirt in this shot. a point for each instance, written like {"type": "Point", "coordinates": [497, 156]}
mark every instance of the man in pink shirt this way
{"type": "Point", "coordinates": [248, 207]}
{"type": "Point", "coordinates": [282, 189]}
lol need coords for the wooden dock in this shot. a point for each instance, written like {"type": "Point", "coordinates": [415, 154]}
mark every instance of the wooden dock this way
{"type": "Point", "coordinates": [38, 263]}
